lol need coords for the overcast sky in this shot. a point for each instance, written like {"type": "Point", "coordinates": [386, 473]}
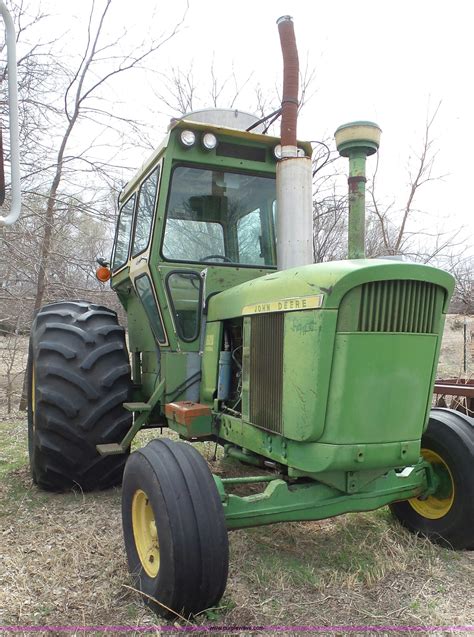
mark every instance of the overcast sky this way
{"type": "Point", "coordinates": [388, 62]}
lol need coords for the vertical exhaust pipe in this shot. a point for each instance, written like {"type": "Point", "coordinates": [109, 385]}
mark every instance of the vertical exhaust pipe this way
{"type": "Point", "coordinates": [289, 102]}
{"type": "Point", "coordinates": [357, 141]}
{"type": "Point", "coordinates": [294, 174]}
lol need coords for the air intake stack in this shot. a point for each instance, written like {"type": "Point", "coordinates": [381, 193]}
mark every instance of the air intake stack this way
{"type": "Point", "coordinates": [357, 141]}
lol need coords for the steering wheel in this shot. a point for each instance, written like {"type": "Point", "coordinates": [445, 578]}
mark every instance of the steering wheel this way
{"type": "Point", "coordinates": [217, 256]}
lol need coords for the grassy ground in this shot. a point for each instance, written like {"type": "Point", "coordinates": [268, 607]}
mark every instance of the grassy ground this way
{"type": "Point", "coordinates": [62, 563]}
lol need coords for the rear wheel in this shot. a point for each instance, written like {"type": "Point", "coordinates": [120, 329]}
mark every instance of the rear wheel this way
{"type": "Point", "coordinates": [446, 516]}
{"type": "Point", "coordinates": [78, 380]}
{"type": "Point", "coordinates": [174, 528]}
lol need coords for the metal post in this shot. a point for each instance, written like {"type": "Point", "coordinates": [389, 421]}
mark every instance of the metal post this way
{"type": "Point", "coordinates": [13, 117]}
{"type": "Point", "coordinates": [356, 182]}
{"type": "Point", "coordinates": [465, 345]}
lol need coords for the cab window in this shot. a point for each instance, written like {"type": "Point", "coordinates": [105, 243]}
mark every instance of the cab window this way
{"type": "Point", "coordinates": [124, 226]}
{"type": "Point", "coordinates": [145, 292]}
{"type": "Point", "coordinates": [145, 212]}
{"type": "Point", "coordinates": [220, 216]}
{"type": "Point", "coordinates": [249, 235]}
{"type": "Point", "coordinates": [184, 289]}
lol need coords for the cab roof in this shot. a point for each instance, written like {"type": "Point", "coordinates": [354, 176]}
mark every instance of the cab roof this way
{"type": "Point", "coordinates": [199, 126]}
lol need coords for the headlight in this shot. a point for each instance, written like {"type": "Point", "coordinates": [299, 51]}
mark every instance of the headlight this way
{"type": "Point", "coordinates": [209, 141]}
{"type": "Point", "coordinates": [188, 138]}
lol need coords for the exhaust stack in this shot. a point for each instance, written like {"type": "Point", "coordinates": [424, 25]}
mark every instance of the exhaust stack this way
{"type": "Point", "coordinates": [294, 174]}
{"type": "Point", "coordinates": [357, 141]}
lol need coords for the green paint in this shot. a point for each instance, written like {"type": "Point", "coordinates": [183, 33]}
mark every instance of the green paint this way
{"type": "Point", "coordinates": [280, 502]}
{"type": "Point", "coordinates": [333, 279]}
{"type": "Point", "coordinates": [316, 457]}
{"type": "Point", "coordinates": [365, 366]}
{"type": "Point", "coordinates": [306, 378]}
{"type": "Point", "coordinates": [210, 362]}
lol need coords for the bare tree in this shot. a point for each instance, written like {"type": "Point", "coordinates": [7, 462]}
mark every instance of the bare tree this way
{"type": "Point", "coordinates": [67, 202]}
{"type": "Point", "coordinates": [392, 225]}
{"type": "Point", "coordinates": [463, 271]}
{"type": "Point", "coordinates": [329, 227]}
{"type": "Point", "coordinates": [84, 85]}
{"type": "Point", "coordinates": [12, 357]}
{"type": "Point", "coordinates": [180, 93]}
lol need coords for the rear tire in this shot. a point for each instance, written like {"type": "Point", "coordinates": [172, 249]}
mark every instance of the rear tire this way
{"type": "Point", "coordinates": [78, 378]}
{"type": "Point", "coordinates": [446, 517]}
{"type": "Point", "coordinates": [174, 528]}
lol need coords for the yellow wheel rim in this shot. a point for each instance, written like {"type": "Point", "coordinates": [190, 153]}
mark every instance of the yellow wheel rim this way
{"type": "Point", "coordinates": [145, 533]}
{"type": "Point", "coordinates": [435, 506]}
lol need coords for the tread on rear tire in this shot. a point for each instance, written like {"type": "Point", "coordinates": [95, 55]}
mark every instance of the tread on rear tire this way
{"type": "Point", "coordinates": [78, 378]}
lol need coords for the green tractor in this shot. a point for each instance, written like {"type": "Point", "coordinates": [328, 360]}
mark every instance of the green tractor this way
{"type": "Point", "coordinates": [318, 375]}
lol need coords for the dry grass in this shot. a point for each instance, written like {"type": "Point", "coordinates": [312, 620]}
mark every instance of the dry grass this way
{"type": "Point", "coordinates": [62, 562]}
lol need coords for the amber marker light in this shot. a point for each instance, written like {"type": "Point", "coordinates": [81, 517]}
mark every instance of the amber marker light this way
{"type": "Point", "coordinates": [103, 274]}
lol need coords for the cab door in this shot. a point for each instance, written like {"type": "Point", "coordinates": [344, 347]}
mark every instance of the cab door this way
{"type": "Point", "coordinates": [140, 252]}
{"type": "Point", "coordinates": [141, 279]}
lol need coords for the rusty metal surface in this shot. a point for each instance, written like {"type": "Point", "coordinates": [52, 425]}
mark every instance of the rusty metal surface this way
{"type": "Point", "coordinates": [455, 388]}
{"type": "Point", "coordinates": [455, 394]}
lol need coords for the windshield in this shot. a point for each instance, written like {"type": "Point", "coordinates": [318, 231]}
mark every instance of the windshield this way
{"type": "Point", "coordinates": [219, 216]}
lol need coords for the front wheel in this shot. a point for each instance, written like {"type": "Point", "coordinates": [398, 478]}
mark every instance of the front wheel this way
{"type": "Point", "coordinates": [174, 528]}
{"type": "Point", "coordinates": [447, 516]}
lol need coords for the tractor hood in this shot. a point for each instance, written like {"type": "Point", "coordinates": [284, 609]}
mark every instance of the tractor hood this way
{"type": "Point", "coordinates": [321, 285]}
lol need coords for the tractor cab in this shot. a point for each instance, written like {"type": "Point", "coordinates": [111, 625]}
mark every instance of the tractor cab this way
{"type": "Point", "coordinates": [198, 219]}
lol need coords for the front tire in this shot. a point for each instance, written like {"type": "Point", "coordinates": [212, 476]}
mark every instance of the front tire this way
{"type": "Point", "coordinates": [174, 528]}
{"type": "Point", "coordinates": [78, 380]}
{"type": "Point", "coordinates": [447, 516]}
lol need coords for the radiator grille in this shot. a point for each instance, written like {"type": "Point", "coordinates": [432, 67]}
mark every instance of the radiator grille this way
{"type": "Point", "coordinates": [266, 371]}
{"type": "Point", "coordinates": [398, 306]}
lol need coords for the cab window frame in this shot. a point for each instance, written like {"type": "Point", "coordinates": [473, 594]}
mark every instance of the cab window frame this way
{"type": "Point", "coordinates": [157, 167]}
{"type": "Point", "coordinates": [197, 165]}
{"type": "Point", "coordinates": [116, 268]}
{"type": "Point", "coordinates": [177, 324]}
{"type": "Point", "coordinates": [147, 276]}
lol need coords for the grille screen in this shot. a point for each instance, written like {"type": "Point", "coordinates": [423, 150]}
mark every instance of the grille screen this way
{"type": "Point", "coordinates": [266, 371]}
{"type": "Point", "coordinates": [398, 306]}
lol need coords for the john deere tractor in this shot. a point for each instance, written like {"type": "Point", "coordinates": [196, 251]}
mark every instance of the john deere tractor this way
{"type": "Point", "coordinates": [318, 375]}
